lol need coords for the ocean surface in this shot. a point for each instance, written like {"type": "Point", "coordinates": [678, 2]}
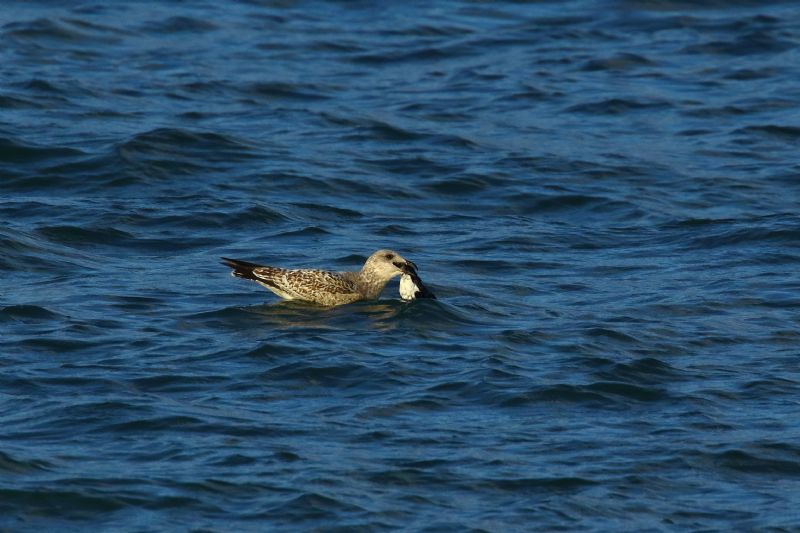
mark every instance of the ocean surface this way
{"type": "Point", "coordinates": [604, 195]}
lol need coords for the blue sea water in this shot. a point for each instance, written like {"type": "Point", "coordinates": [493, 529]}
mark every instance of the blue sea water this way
{"type": "Point", "coordinates": [603, 194]}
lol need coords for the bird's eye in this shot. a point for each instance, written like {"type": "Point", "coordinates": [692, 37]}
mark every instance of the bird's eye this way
{"type": "Point", "coordinates": [389, 256]}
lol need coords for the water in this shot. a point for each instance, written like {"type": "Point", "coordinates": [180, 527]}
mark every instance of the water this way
{"type": "Point", "coordinates": [602, 194]}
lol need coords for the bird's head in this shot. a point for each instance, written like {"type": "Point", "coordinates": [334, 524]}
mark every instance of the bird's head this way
{"type": "Point", "coordinates": [387, 264]}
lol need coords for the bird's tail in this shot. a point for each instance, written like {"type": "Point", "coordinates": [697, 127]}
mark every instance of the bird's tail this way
{"type": "Point", "coordinates": [241, 269]}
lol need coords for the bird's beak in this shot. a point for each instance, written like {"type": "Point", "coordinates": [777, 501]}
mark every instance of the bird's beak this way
{"type": "Point", "coordinates": [408, 267]}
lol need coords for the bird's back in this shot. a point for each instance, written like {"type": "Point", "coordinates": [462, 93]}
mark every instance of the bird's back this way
{"type": "Point", "coordinates": [319, 286]}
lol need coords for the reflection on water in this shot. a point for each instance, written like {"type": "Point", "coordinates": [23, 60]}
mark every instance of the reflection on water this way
{"type": "Point", "coordinates": [371, 315]}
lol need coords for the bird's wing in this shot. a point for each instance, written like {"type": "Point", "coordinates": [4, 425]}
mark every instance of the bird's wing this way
{"type": "Point", "coordinates": [304, 283]}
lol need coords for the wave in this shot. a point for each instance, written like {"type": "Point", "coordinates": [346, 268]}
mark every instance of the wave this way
{"type": "Point", "coordinates": [787, 133]}
{"type": "Point", "coordinates": [30, 252]}
{"type": "Point", "coordinates": [601, 394]}
{"type": "Point", "coordinates": [377, 130]}
{"type": "Point", "coordinates": [546, 485]}
{"type": "Point", "coordinates": [466, 184]}
{"type": "Point", "coordinates": [57, 503]}
{"type": "Point", "coordinates": [618, 106]}
{"type": "Point", "coordinates": [15, 152]}
{"type": "Point", "coordinates": [178, 24]}
{"type": "Point", "coordinates": [63, 31]}
{"type": "Point", "coordinates": [779, 460]}
{"type": "Point", "coordinates": [27, 312]}
{"type": "Point", "coordinates": [158, 155]}
{"type": "Point", "coordinates": [290, 91]}
{"type": "Point", "coordinates": [752, 43]}
{"type": "Point", "coordinates": [164, 145]}
{"type": "Point", "coordinates": [619, 62]}
{"type": "Point", "coordinates": [15, 465]}
{"type": "Point", "coordinates": [423, 54]}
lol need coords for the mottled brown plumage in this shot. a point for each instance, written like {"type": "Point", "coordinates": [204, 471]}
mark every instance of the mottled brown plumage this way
{"type": "Point", "coordinates": [324, 287]}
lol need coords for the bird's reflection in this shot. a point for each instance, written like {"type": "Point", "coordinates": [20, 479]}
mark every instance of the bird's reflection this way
{"type": "Point", "coordinates": [376, 315]}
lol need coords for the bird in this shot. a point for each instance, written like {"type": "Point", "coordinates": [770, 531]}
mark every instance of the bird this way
{"type": "Point", "coordinates": [325, 287]}
{"type": "Point", "coordinates": [411, 286]}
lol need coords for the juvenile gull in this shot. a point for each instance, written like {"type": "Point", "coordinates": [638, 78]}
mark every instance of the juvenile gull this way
{"type": "Point", "coordinates": [323, 287]}
{"type": "Point", "coordinates": [411, 286]}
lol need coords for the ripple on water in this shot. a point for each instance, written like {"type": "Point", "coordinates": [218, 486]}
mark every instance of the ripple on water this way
{"type": "Point", "coordinates": [63, 31]}
{"type": "Point", "coordinates": [617, 106]}
{"type": "Point", "coordinates": [778, 461]}
{"type": "Point", "coordinates": [292, 91]}
{"type": "Point", "coordinates": [604, 202]}
{"type": "Point", "coordinates": [15, 152]}
{"type": "Point", "coordinates": [15, 465]}
{"type": "Point", "coordinates": [162, 146]}
{"type": "Point", "coordinates": [179, 24]}
{"type": "Point", "coordinates": [26, 313]}
{"type": "Point", "coordinates": [57, 503]}
{"type": "Point", "coordinates": [599, 395]}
